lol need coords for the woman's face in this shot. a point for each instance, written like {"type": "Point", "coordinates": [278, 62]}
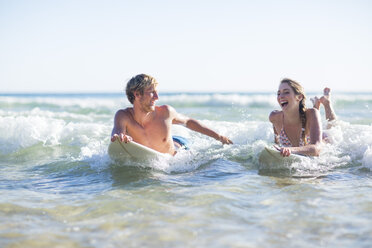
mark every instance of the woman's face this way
{"type": "Point", "coordinates": [287, 98]}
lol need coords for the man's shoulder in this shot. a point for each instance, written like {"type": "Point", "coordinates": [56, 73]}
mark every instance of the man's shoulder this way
{"type": "Point", "coordinates": [124, 112]}
{"type": "Point", "coordinates": [166, 111]}
{"type": "Point", "coordinates": [165, 108]}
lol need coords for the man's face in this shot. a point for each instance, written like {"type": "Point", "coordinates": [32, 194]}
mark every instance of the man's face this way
{"type": "Point", "coordinates": [148, 99]}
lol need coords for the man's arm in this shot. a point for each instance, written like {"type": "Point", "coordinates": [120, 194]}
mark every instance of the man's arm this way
{"type": "Point", "coordinates": [195, 125]}
{"type": "Point", "coordinates": [119, 130]}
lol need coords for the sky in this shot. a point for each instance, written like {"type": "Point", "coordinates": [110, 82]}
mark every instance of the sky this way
{"type": "Point", "coordinates": [187, 45]}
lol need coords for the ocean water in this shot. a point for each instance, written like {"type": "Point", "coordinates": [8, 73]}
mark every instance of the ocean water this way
{"type": "Point", "coordinates": [59, 188]}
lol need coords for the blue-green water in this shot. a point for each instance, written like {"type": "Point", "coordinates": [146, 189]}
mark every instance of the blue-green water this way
{"type": "Point", "coordinates": [59, 188]}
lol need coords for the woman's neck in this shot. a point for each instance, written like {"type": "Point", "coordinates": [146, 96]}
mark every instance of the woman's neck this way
{"type": "Point", "coordinates": [291, 117]}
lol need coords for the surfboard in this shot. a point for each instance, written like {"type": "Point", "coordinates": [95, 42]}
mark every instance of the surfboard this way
{"type": "Point", "coordinates": [270, 158]}
{"type": "Point", "coordinates": [120, 150]}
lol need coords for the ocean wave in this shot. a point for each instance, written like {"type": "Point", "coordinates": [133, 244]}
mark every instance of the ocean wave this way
{"type": "Point", "coordinates": [367, 157]}
{"type": "Point", "coordinates": [350, 148]}
{"type": "Point", "coordinates": [81, 128]}
{"type": "Point", "coordinates": [83, 105]}
{"type": "Point", "coordinates": [24, 131]}
{"type": "Point", "coordinates": [116, 101]}
{"type": "Point", "coordinates": [219, 100]}
{"type": "Point", "coordinates": [87, 141]}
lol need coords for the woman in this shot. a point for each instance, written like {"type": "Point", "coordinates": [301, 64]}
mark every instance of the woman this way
{"type": "Point", "coordinates": [298, 129]}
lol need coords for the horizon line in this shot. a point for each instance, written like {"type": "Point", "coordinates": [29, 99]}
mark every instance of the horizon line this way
{"type": "Point", "coordinates": [6, 93]}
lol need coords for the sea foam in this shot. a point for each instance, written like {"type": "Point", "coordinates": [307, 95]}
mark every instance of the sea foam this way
{"type": "Point", "coordinates": [85, 124]}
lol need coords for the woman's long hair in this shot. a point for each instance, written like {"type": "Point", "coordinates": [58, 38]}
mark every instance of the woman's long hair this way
{"type": "Point", "coordinates": [299, 90]}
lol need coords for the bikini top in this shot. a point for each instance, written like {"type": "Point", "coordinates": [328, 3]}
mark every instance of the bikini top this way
{"type": "Point", "coordinates": [285, 142]}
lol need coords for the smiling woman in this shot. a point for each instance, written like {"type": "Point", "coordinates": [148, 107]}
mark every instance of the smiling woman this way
{"type": "Point", "coordinates": [297, 128]}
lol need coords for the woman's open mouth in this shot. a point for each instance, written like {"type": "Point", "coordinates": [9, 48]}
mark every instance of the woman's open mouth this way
{"type": "Point", "coordinates": [283, 103]}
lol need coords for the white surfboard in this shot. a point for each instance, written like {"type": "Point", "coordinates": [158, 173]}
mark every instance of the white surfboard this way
{"type": "Point", "coordinates": [270, 158]}
{"type": "Point", "coordinates": [120, 150]}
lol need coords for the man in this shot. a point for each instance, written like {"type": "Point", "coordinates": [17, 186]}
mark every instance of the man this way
{"type": "Point", "coordinates": [150, 125]}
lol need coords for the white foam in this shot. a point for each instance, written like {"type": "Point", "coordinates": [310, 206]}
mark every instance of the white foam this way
{"type": "Point", "coordinates": [367, 158]}
{"type": "Point", "coordinates": [353, 139]}
{"type": "Point", "coordinates": [350, 146]}
{"type": "Point", "coordinates": [116, 101]}
{"type": "Point", "coordinates": [81, 102]}
{"type": "Point", "coordinates": [95, 153]}
{"type": "Point", "coordinates": [36, 126]}
{"type": "Point", "coordinates": [220, 99]}
{"type": "Point", "coordinates": [21, 131]}
{"type": "Point", "coordinates": [25, 126]}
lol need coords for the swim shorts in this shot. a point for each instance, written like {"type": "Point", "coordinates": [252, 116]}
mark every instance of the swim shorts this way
{"type": "Point", "coordinates": [183, 142]}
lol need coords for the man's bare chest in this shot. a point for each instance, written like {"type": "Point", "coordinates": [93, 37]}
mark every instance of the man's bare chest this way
{"type": "Point", "coordinates": [154, 130]}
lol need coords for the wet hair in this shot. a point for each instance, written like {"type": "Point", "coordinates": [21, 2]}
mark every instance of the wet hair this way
{"type": "Point", "coordinates": [138, 83]}
{"type": "Point", "coordinates": [299, 90]}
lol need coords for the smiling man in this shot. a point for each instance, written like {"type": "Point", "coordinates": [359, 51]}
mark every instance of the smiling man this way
{"type": "Point", "coordinates": [150, 125]}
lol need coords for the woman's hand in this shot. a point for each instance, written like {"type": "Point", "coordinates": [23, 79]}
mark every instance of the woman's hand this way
{"type": "Point", "coordinates": [284, 151]}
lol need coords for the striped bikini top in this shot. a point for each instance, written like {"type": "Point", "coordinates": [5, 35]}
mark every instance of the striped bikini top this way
{"type": "Point", "coordinates": [285, 142]}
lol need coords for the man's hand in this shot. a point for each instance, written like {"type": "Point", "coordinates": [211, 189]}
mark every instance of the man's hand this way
{"type": "Point", "coordinates": [224, 140]}
{"type": "Point", "coordinates": [122, 138]}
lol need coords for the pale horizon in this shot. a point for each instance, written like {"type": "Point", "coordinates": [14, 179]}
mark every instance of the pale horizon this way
{"type": "Point", "coordinates": [188, 46]}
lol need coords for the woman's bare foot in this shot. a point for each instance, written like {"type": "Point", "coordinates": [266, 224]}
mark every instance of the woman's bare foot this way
{"type": "Point", "coordinates": [326, 98]}
{"type": "Point", "coordinates": [316, 102]}
{"type": "Point", "coordinates": [326, 101]}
